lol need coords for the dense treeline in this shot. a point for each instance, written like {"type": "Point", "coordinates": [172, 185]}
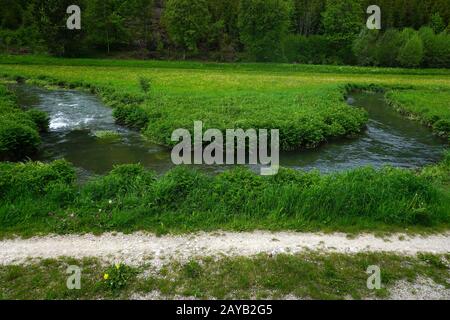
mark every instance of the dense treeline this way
{"type": "Point", "coordinates": [303, 31]}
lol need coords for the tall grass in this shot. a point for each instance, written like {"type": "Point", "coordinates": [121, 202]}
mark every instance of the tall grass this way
{"type": "Point", "coordinates": [38, 197]}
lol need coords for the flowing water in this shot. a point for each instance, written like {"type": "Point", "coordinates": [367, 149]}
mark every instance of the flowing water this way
{"type": "Point", "coordinates": [75, 117]}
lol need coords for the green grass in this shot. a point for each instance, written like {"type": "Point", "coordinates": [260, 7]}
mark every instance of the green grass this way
{"type": "Point", "coordinates": [44, 198]}
{"type": "Point", "coordinates": [304, 102]}
{"type": "Point", "coordinates": [430, 105]}
{"type": "Point", "coordinates": [307, 275]}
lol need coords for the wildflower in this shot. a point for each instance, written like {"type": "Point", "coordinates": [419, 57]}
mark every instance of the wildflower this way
{"type": "Point", "coordinates": [110, 201]}
{"type": "Point", "coordinates": [117, 266]}
{"type": "Point", "coordinates": [106, 276]}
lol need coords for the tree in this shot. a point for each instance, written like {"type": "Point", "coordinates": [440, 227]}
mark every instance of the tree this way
{"type": "Point", "coordinates": [411, 54]}
{"type": "Point", "coordinates": [137, 19]}
{"type": "Point", "coordinates": [388, 47]}
{"type": "Point", "coordinates": [262, 25]}
{"type": "Point", "coordinates": [436, 48]}
{"type": "Point", "coordinates": [106, 23]}
{"type": "Point", "coordinates": [224, 33]}
{"type": "Point", "coordinates": [187, 22]}
{"type": "Point", "coordinates": [342, 19]}
{"type": "Point", "coordinates": [365, 47]}
{"type": "Point", "coordinates": [437, 23]}
{"type": "Point", "coordinates": [50, 19]}
{"type": "Point", "coordinates": [306, 16]}
{"type": "Point", "coordinates": [11, 14]}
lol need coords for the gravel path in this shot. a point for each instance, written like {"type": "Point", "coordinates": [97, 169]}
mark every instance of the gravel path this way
{"type": "Point", "coordinates": [140, 248]}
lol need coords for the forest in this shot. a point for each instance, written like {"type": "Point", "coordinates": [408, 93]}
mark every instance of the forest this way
{"type": "Point", "coordinates": [415, 33]}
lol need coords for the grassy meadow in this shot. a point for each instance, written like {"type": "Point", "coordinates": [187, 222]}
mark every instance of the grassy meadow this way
{"type": "Point", "coordinates": [305, 102]}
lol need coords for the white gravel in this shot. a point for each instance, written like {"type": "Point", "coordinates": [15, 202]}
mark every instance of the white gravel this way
{"type": "Point", "coordinates": [139, 248]}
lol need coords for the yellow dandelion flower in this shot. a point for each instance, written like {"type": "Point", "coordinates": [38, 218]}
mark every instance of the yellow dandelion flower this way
{"type": "Point", "coordinates": [106, 276]}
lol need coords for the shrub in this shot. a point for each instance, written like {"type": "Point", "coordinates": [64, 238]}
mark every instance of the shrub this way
{"type": "Point", "coordinates": [411, 54]}
{"type": "Point", "coordinates": [40, 118]}
{"type": "Point", "coordinates": [442, 127]}
{"type": "Point", "coordinates": [121, 181]}
{"type": "Point", "coordinates": [34, 178]}
{"type": "Point", "coordinates": [313, 49]}
{"type": "Point", "coordinates": [17, 140]}
{"type": "Point", "coordinates": [19, 136]}
{"type": "Point", "coordinates": [436, 48]}
{"type": "Point", "coordinates": [387, 48]}
{"type": "Point", "coordinates": [145, 84]}
{"type": "Point", "coordinates": [131, 116]}
{"type": "Point", "coordinates": [365, 47]}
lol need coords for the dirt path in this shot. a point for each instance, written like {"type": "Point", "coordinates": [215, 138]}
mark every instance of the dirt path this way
{"type": "Point", "coordinates": [138, 248]}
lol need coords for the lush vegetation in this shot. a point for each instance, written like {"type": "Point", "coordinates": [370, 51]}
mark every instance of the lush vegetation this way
{"type": "Point", "coordinates": [161, 97]}
{"type": "Point", "coordinates": [309, 275]}
{"type": "Point", "coordinates": [305, 31]}
{"type": "Point", "coordinates": [431, 106]}
{"type": "Point", "coordinates": [308, 109]}
{"type": "Point", "coordinates": [44, 198]}
{"type": "Point", "coordinates": [19, 130]}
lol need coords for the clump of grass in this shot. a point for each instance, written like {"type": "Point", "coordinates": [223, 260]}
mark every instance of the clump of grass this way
{"type": "Point", "coordinates": [117, 277]}
{"type": "Point", "coordinates": [107, 136]}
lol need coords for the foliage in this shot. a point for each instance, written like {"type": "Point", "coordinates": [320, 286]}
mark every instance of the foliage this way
{"type": "Point", "coordinates": [131, 116]}
{"type": "Point", "coordinates": [131, 198]}
{"type": "Point", "coordinates": [411, 53]}
{"type": "Point", "coordinates": [262, 25]}
{"type": "Point", "coordinates": [117, 277]}
{"type": "Point", "coordinates": [19, 130]}
{"type": "Point", "coordinates": [187, 22]}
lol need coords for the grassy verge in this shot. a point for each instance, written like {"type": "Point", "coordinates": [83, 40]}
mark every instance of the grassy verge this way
{"type": "Point", "coordinates": [431, 106]}
{"type": "Point", "coordinates": [44, 198]}
{"type": "Point", "coordinates": [308, 275]}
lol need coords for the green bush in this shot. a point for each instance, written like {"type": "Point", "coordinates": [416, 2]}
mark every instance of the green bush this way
{"type": "Point", "coordinates": [19, 130]}
{"type": "Point", "coordinates": [442, 127]}
{"type": "Point", "coordinates": [122, 181]}
{"type": "Point", "coordinates": [412, 52]}
{"type": "Point", "coordinates": [131, 116]}
{"type": "Point", "coordinates": [388, 47]}
{"type": "Point", "coordinates": [436, 48]}
{"type": "Point", "coordinates": [40, 118]}
{"type": "Point", "coordinates": [365, 47]}
{"type": "Point", "coordinates": [17, 140]}
{"type": "Point", "coordinates": [34, 178]}
{"type": "Point", "coordinates": [313, 49]}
